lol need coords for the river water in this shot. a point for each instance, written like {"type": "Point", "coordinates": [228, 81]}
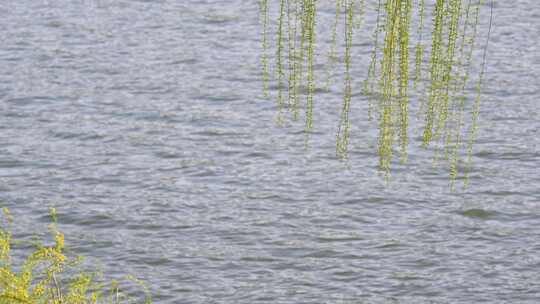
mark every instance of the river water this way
{"type": "Point", "coordinates": [143, 123]}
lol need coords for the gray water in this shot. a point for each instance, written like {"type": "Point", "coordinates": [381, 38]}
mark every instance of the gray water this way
{"type": "Point", "coordinates": [143, 123]}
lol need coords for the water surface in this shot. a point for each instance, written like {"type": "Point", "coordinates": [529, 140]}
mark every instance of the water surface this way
{"type": "Point", "coordinates": [143, 122]}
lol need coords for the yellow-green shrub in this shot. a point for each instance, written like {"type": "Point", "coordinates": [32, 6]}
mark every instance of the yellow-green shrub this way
{"type": "Point", "coordinates": [49, 276]}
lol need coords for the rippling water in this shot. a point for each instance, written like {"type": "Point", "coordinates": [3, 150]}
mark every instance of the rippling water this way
{"type": "Point", "coordinates": [143, 123]}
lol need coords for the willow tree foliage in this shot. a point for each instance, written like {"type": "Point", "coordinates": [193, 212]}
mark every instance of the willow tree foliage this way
{"type": "Point", "coordinates": [422, 52]}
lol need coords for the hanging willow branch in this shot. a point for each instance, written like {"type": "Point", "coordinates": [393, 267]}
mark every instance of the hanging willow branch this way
{"type": "Point", "coordinates": [443, 48]}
